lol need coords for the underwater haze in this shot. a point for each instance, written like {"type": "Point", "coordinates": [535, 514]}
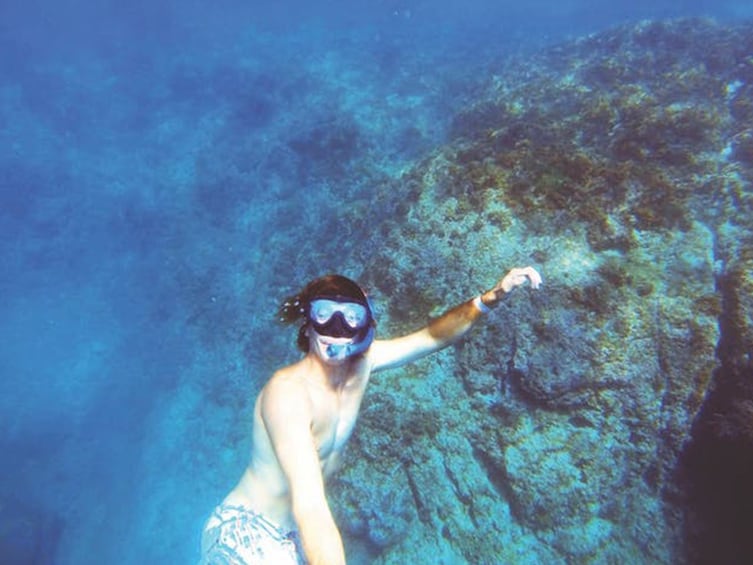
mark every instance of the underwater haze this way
{"type": "Point", "coordinates": [171, 171]}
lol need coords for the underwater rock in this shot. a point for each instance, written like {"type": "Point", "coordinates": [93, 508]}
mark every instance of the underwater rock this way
{"type": "Point", "coordinates": [598, 162]}
{"type": "Point", "coordinates": [380, 508]}
{"type": "Point", "coordinates": [742, 147]}
{"type": "Point", "coordinates": [738, 286]}
{"type": "Point", "coordinates": [716, 464]}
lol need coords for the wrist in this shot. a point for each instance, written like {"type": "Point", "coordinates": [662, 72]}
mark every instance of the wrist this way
{"type": "Point", "coordinates": [490, 299]}
{"type": "Point", "coordinates": [479, 303]}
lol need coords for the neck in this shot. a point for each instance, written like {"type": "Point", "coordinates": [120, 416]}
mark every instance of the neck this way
{"type": "Point", "coordinates": [328, 375]}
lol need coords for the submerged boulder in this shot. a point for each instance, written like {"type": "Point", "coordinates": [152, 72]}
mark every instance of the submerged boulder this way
{"type": "Point", "coordinates": [614, 164]}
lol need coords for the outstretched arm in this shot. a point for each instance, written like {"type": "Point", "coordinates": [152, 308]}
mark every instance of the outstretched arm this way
{"type": "Point", "coordinates": [450, 326]}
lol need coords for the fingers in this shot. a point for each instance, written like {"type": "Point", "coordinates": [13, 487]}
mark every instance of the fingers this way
{"type": "Point", "coordinates": [519, 276]}
{"type": "Point", "coordinates": [534, 277]}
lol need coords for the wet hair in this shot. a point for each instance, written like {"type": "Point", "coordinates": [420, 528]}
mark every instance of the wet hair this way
{"type": "Point", "coordinates": [296, 307]}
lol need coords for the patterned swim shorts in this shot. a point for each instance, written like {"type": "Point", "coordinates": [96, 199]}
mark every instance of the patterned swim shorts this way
{"type": "Point", "coordinates": [235, 535]}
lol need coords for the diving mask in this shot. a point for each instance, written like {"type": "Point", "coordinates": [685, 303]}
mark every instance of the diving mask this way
{"type": "Point", "coordinates": [338, 318]}
{"type": "Point", "coordinates": [345, 327]}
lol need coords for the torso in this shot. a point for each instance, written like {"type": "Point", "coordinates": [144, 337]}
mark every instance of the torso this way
{"type": "Point", "coordinates": [335, 408]}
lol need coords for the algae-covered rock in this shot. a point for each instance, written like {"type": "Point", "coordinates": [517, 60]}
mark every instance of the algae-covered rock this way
{"type": "Point", "coordinates": [599, 163]}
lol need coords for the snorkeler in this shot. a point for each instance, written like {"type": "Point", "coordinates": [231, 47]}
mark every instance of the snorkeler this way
{"type": "Point", "coordinates": [278, 513]}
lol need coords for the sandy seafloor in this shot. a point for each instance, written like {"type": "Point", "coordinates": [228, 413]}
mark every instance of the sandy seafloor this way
{"type": "Point", "coordinates": [169, 172]}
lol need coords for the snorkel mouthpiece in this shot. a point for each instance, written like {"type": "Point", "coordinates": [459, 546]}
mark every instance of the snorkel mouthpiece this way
{"type": "Point", "coordinates": [345, 350]}
{"type": "Point", "coordinates": [337, 350]}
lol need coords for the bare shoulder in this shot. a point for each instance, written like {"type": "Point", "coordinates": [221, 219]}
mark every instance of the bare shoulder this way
{"type": "Point", "coordinates": [284, 395]}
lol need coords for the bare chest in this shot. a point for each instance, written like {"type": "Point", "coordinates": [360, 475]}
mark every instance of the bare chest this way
{"type": "Point", "coordinates": [334, 419]}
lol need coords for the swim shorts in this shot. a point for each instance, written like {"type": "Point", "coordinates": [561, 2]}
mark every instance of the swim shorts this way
{"type": "Point", "coordinates": [236, 535]}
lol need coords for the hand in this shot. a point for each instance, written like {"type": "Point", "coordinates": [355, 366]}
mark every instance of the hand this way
{"type": "Point", "coordinates": [516, 277]}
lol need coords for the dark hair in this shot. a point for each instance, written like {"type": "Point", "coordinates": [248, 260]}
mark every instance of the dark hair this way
{"type": "Point", "coordinates": [296, 307]}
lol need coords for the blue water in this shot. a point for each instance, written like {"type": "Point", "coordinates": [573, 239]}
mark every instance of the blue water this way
{"type": "Point", "coordinates": [168, 172]}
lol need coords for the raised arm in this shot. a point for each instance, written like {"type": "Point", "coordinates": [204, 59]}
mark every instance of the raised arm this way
{"type": "Point", "coordinates": [286, 412]}
{"type": "Point", "coordinates": [448, 327]}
